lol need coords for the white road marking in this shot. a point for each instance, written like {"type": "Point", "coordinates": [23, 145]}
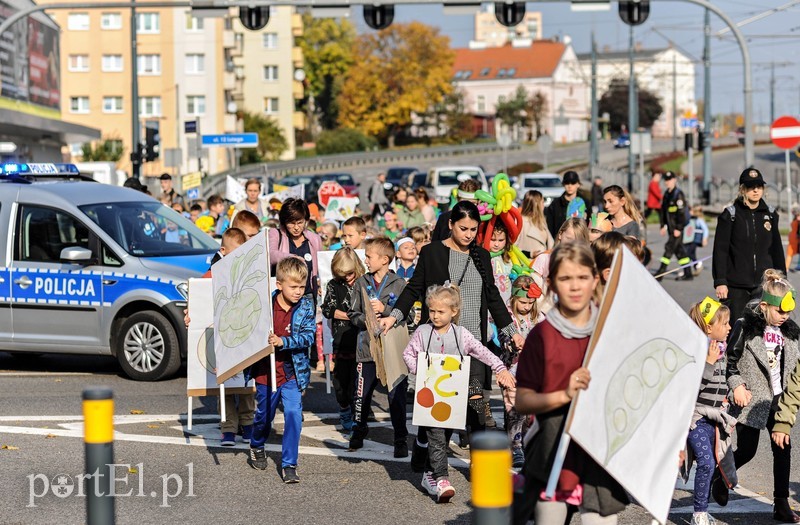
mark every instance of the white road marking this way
{"type": "Point", "coordinates": [753, 504]}
{"type": "Point", "coordinates": [42, 374]}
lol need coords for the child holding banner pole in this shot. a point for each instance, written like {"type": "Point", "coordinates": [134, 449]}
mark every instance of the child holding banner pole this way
{"type": "Point", "coordinates": [549, 375]}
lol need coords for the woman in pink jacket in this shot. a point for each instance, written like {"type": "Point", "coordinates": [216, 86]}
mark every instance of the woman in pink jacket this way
{"type": "Point", "coordinates": [293, 237]}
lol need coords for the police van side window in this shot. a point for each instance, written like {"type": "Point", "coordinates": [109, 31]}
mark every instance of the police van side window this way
{"type": "Point", "coordinates": [43, 232]}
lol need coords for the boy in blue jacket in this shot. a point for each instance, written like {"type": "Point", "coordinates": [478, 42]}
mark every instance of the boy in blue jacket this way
{"type": "Point", "coordinates": [294, 327]}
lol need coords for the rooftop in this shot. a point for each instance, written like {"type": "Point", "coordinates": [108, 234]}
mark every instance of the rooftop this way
{"type": "Point", "coordinates": [539, 60]}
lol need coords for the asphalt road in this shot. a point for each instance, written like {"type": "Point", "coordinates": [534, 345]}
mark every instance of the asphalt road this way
{"type": "Point", "coordinates": [41, 450]}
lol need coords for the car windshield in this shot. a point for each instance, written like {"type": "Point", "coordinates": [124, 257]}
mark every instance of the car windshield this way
{"type": "Point", "coordinates": [453, 177]}
{"type": "Point", "coordinates": [293, 181]}
{"type": "Point", "coordinates": [345, 179]}
{"type": "Point", "coordinates": [150, 229]}
{"type": "Point", "coordinates": [395, 175]}
{"type": "Point", "coordinates": [542, 182]}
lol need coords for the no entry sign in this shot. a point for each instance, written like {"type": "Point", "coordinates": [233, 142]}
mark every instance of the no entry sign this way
{"type": "Point", "coordinates": [785, 132]}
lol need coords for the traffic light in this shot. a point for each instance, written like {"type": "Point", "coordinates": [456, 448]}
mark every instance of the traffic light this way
{"type": "Point", "coordinates": [509, 15]}
{"type": "Point", "coordinates": [378, 16]}
{"type": "Point", "coordinates": [152, 142]}
{"type": "Point", "coordinates": [701, 139]}
{"type": "Point", "coordinates": [634, 12]}
{"type": "Point", "coordinates": [254, 18]}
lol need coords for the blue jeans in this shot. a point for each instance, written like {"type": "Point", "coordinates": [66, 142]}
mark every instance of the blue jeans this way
{"type": "Point", "coordinates": [266, 404]}
{"type": "Point", "coordinates": [702, 441]}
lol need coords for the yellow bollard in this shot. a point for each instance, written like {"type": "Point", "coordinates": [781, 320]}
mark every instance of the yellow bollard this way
{"type": "Point", "coordinates": [490, 474]}
{"type": "Point", "coordinates": [98, 438]}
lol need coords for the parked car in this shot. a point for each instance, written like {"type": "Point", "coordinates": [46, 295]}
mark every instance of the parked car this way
{"type": "Point", "coordinates": [417, 179]}
{"type": "Point", "coordinates": [344, 179]}
{"type": "Point", "coordinates": [396, 175]}
{"type": "Point", "coordinates": [443, 180]}
{"type": "Point", "coordinates": [94, 269]}
{"type": "Point", "coordinates": [740, 135]}
{"type": "Point", "coordinates": [623, 141]}
{"type": "Point", "coordinates": [548, 184]}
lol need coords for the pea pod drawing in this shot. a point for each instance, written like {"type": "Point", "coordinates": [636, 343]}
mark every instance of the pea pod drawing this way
{"type": "Point", "coordinates": [636, 386]}
{"type": "Point", "coordinates": [241, 307]}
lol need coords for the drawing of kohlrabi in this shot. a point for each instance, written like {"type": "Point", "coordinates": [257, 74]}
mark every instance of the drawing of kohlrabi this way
{"type": "Point", "coordinates": [636, 386]}
{"type": "Point", "coordinates": [241, 308]}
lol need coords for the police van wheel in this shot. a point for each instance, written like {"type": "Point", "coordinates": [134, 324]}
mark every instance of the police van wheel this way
{"type": "Point", "coordinates": [147, 347]}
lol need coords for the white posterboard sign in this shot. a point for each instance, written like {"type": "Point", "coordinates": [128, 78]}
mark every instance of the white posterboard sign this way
{"type": "Point", "coordinates": [324, 260]}
{"type": "Point", "coordinates": [646, 365]}
{"type": "Point", "coordinates": [439, 400]}
{"type": "Point", "coordinates": [234, 190]}
{"type": "Point", "coordinates": [201, 379]}
{"type": "Point", "coordinates": [341, 208]}
{"type": "Point", "coordinates": [242, 307]}
{"type": "Point", "coordinates": [297, 191]}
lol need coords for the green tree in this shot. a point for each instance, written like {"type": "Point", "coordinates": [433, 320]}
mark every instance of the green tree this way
{"type": "Point", "coordinates": [537, 111]}
{"type": "Point", "coordinates": [615, 103]}
{"type": "Point", "coordinates": [327, 46]}
{"type": "Point", "coordinates": [271, 141]}
{"type": "Point", "coordinates": [514, 109]}
{"type": "Point", "coordinates": [106, 150]}
{"type": "Point", "coordinates": [455, 117]}
{"type": "Point", "coordinates": [396, 73]}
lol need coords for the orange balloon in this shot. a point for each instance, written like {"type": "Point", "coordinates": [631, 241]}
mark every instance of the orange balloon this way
{"type": "Point", "coordinates": [425, 397]}
{"type": "Point", "coordinates": [441, 411]}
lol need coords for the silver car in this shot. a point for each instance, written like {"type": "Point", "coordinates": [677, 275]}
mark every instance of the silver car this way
{"type": "Point", "coordinates": [89, 268]}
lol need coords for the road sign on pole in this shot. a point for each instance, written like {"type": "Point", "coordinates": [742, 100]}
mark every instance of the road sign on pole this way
{"type": "Point", "coordinates": [231, 140]}
{"type": "Point", "coordinates": [785, 133]}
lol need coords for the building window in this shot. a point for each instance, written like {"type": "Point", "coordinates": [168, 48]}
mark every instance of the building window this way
{"type": "Point", "coordinates": [270, 40]}
{"type": "Point", "coordinates": [112, 63]}
{"type": "Point", "coordinates": [485, 71]}
{"type": "Point", "coordinates": [150, 106]}
{"type": "Point", "coordinates": [148, 23]}
{"type": "Point", "coordinates": [79, 104]}
{"type": "Point", "coordinates": [196, 105]}
{"type": "Point", "coordinates": [149, 64]}
{"type": "Point", "coordinates": [78, 63]}
{"type": "Point", "coordinates": [111, 21]}
{"type": "Point", "coordinates": [271, 105]}
{"type": "Point", "coordinates": [112, 104]}
{"type": "Point", "coordinates": [78, 22]}
{"type": "Point", "coordinates": [270, 73]}
{"type": "Point", "coordinates": [195, 63]}
{"type": "Point", "coordinates": [481, 104]}
{"type": "Point", "coordinates": [193, 23]}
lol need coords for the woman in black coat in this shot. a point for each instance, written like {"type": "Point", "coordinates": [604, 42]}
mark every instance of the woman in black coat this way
{"type": "Point", "coordinates": [461, 261]}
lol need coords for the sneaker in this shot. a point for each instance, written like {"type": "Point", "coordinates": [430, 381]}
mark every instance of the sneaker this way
{"type": "Point", "coordinates": [357, 439]}
{"type": "Point", "coordinates": [401, 449]}
{"type": "Point", "coordinates": [463, 440]}
{"type": "Point", "coordinates": [290, 475]}
{"type": "Point", "coordinates": [703, 518]}
{"type": "Point", "coordinates": [444, 491]}
{"type": "Point", "coordinates": [247, 433]}
{"type": "Point", "coordinates": [258, 458]}
{"type": "Point", "coordinates": [429, 484]}
{"type": "Point", "coordinates": [228, 439]}
{"type": "Point", "coordinates": [419, 455]}
{"type": "Point", "coordinates": [517, 458]}
{"type": "Point", "coordinates": [490, 422]}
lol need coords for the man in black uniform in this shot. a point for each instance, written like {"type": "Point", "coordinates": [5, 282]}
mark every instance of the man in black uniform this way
{"type": "Point", "coordinates": [673, 220]}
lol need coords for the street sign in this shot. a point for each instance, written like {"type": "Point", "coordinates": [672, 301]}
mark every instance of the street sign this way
{"type": "Point", "coordinates": [503, 140]}
{"type": "Point", "coordinates": [192, 180]}
{"type": "Point", "coordinates": [193, 194]}
{"type": "Point", "coordinates": [641, 143]}
{"type": "Point", "coordinates": [190, 126]}
{"type": "Point", "coordinates": [173, 157]}
{"type": "Point", "coordinates": [328, 189]}
{"type": "Point", "coordinates": [544, 144]}
{"type": "Point", "coordinates": [231, 140]}
{"type": "Point", "coordinates": [690, 123]}
{"type": "Point", "coordinates": [785, 132]}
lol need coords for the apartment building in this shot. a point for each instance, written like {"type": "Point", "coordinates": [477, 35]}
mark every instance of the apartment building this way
{"type": "Point", "coordinates": [184, 73]}
{"type": "Point", "coordinates": [269, 65]}
{"type": "Point", "coordinates": [491, 33]}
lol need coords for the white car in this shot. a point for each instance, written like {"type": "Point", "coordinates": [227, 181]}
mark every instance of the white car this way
{"type": "Point", "coordinates": [548, 184]}
{"type": "Point", "coordinates": [444, 180]}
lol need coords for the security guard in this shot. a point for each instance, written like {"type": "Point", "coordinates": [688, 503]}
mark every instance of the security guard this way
{"type": "Point", "coordinates": [673, 220]}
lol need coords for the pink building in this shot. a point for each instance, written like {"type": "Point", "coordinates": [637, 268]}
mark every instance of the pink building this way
{"type": "Point", "coordinates": [489, 75]}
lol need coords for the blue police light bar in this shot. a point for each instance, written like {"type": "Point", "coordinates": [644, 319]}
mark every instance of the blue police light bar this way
{"type": "Point", "coordinates": [38, 168]}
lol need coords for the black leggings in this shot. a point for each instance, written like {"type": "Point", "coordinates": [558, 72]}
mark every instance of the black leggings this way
{"type": "Point", "coordinates": [747, 444]}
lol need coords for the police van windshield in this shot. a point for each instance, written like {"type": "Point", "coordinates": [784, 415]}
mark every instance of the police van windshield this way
{"type": "Point", "coordinates": [150, 229]}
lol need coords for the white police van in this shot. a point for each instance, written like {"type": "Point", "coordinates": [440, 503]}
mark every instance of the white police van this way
{"type": "Point", "coordinates": [88, 268]}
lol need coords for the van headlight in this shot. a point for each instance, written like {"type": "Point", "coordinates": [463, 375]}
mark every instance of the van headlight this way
{"type": "Point", "coordinates": [183, 289]}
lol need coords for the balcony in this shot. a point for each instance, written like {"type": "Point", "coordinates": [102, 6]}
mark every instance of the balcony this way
{"type": "Point", "coordinates": [299, 120]}
{"type": "Point", "coordinates": [229, 82]}
{"type": "Point", "coordinates": [297, 57]}
{"type": "Point", "coordinates": [297, 25]}
{"type": "Point", "coordinates": [229, 123]}
{"type": "Point", "coordinates": [298, 91]}
{"type": "Point", "coordinates": [233, 42]}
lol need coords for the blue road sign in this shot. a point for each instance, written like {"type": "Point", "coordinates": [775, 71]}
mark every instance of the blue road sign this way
{"type": "Point", "coordinates": [193, 194]}
{"type": "Point", "coordinates": [190, 126]}
{"type": "Point", "coordinates": [231, 140]}
{"type": "Point", "coordinates": [689, 123]}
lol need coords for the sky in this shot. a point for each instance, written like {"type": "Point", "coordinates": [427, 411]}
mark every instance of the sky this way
{"type": "Point", "coordinates": [775, 38]}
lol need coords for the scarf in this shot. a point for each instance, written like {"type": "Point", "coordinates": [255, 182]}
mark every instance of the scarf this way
{"type": "Point", "coordinates": [569, 330]}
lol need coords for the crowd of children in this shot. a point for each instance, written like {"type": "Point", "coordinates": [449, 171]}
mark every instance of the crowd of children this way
{"type": "Point", "coordinates": [554, 308]}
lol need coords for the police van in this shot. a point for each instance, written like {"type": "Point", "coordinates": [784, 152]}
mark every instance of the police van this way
{"type": "Point", "coordinates": [88, 268]}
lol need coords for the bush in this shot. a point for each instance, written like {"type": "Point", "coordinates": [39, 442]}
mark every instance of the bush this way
{"type": "Point", "coordinates": [525, 167]}
{"type": "Point", "coordinates": [343, 141]}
